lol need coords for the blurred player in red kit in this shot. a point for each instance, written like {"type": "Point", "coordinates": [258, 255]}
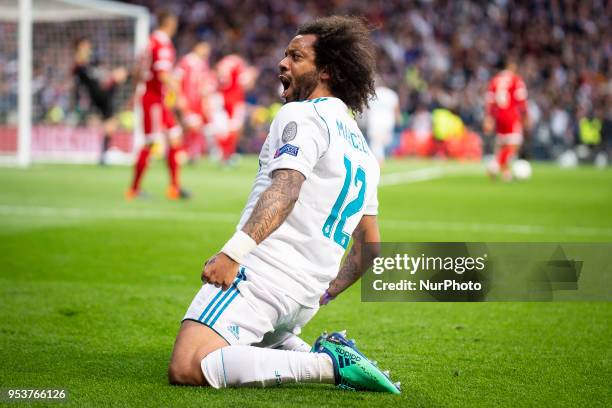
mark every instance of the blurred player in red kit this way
{"type": "Point", "coordinates": [506, 114]}
{"type": "Point", "coordinates": [193, 74]}
{"type": "Point", "coordinates": [158, 116]}
{"type": "Point", "coordinates": [234, 77]}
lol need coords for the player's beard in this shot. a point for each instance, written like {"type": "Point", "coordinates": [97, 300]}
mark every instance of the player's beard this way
{"type": "Point", "coordinates": [304, 86]}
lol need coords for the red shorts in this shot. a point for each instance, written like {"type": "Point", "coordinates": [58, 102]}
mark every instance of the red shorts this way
{"type": "Point", "coordinates": [509, 131]}
{"type": "Point", "coordinates": [157, 118]}
{"type": "Point", "coordinates": [508, 124]}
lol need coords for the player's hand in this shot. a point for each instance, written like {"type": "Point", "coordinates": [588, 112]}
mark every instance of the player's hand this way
{"type": "Point", "coordinates": [326, 298]}
{"type": "Point", "coordinates": [527, 122]}
{"type": "Point", "coordinates": [488, 125]}
{"type": "Point", "coordinates": [220, 270]}
{"type": "Point", "coordinates": [119, 75]}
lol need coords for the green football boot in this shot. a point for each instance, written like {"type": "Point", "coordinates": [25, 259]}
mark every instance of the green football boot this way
{"type": "Point", "coordinates": [353, 370]}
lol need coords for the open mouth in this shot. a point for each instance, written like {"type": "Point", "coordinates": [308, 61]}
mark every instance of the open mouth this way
{"type": "Point", "coordinates": [286, 82]}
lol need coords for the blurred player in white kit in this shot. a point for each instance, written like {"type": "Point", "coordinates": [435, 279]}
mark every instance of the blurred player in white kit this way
{"type": "Point", "coordinates": [381, 118]}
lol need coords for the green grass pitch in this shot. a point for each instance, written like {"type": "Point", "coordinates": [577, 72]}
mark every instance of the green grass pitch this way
{"type": "Point", "coordinates": [92, 289]}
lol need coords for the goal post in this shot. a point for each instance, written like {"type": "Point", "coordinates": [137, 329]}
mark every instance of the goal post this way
{"type": "Point", "coordinates": [38, 121]}
{"type": "Point", "coordinates": [24, 80]}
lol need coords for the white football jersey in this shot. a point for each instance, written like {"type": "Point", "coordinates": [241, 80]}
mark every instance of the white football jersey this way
{"type": "Point", "coordinates": [380, 116]}
{"type": "Point", "coordinates": [321, 140]}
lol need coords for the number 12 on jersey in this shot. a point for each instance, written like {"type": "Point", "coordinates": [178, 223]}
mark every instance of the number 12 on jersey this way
{"type": "Point", "coordinates": [339, 236]}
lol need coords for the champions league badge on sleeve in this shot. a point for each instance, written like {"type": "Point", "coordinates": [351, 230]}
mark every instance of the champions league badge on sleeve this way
{"type": "Point", "coordinates": [288, 149]}
{"type": "Point", "coordinates": [289, 132]}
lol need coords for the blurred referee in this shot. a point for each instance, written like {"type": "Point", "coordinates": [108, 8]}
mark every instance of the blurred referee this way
{"type": "Point", "coordinates": [100, 91]}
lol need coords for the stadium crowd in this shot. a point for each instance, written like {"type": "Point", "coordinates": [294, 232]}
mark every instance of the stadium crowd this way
{"type": "Point", "coordinates": [442, 53]}
{"type": "Point", "coordinates": [438, 54]}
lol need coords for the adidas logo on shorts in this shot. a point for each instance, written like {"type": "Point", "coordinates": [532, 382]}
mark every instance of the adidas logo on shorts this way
{"type": "Point", "coordinates": [235, 330]}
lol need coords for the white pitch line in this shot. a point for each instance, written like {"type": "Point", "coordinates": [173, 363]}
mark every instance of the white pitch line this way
{"type": "Point", "coordinates": [84, 213]}
{"type": "Point", "coordinates": [496, 228]}
{"type": "Point", "coordinates": [191, 216]}
{"type": "Point", "coordinates": [426, 174]}
{"type": "Point", "coordinates": [414, 176]}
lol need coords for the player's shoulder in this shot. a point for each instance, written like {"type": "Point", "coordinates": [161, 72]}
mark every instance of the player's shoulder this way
{"type": "Point", "coordinates": [296, 111]}
{"type": "Point", "coordinates": [300, 113]}
{"type": "Point", "coordinates": [231, 62]}
{"type": "Point", "coordinates": [188, 60]}
{"type": "Point", "coordinates": [518, 80]}
{"type": "Point", "coordinates": [386, 92]}
{"type": "Point", "coordinates": [160, 37]}
{"type": "Point", "coordinates": [154, 40]}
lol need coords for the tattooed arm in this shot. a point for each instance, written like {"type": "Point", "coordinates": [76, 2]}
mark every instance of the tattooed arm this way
{"type": "Point", "coordinates": [271, 210]}
{"type": "Point", "coordinates": [360, 257]}
{"type": "Point", "coordinates": [274, 204]}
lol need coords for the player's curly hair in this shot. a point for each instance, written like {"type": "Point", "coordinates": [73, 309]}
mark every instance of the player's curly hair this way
{"type": "Point", "coordinates": [344, 48]}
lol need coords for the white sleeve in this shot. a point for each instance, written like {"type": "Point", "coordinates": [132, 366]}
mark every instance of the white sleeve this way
{"type": "Point", "coordinates": [297, 139]}
{"type": "Point", "coordinates": [371, 205]}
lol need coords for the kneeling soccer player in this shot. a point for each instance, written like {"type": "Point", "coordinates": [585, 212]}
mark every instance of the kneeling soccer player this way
{"type": "Point", "coordinates": [316, 186]}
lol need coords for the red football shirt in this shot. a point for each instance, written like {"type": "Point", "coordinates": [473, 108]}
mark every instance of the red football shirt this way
{"type": "Point", "coordinates": [192, 71]}
{"type": "Point", "coordinates": [160, 58]}
{"type": "Point", "coordinates": [507, 102]}
{"type": "Point", "coordinates": [229, 71]}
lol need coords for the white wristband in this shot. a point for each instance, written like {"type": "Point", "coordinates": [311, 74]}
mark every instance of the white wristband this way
{"type": "Point", "coordinates": [239, 246]}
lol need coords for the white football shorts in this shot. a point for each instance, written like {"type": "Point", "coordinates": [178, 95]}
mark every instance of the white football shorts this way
{"type": "Point", "coordinates": [248, 313]}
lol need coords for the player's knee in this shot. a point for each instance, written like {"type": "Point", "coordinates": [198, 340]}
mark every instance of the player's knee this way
{"type": "Point", "coordinates": [187, 369]}
{"type": "Point", "coordinates": [185, 373]}
{"type": "Point", "coordinates": [175, 374]}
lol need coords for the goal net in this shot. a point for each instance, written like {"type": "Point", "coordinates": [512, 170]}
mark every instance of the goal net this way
{"type": "Point", "coordinates": [42, 116]}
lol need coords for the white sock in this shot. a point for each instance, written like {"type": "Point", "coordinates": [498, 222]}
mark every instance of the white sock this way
{"type": "Point", "coordinates": [248, 366]}
{"type": "Point", "coordinates": [294, 343]}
